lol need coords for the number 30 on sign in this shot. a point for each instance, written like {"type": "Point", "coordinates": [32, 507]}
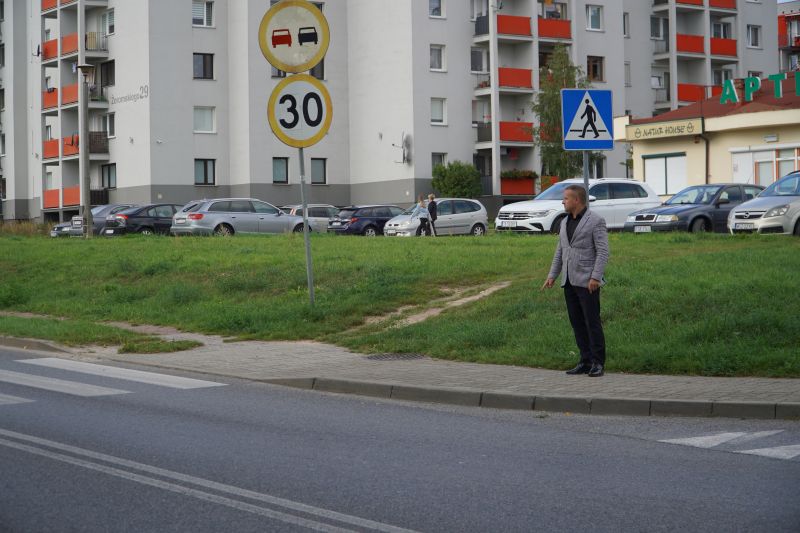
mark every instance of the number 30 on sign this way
{"type": "Point", "coordinates": [300, 111]}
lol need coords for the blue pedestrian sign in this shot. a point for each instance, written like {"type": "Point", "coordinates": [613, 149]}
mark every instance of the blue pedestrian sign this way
{"type": "Point", "coordinates": [587, 120]}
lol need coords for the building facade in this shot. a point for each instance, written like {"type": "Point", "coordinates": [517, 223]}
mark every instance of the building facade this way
{"type": "Point", "coordinates": [178, 90]}
{"type": "Point", "coordinates": [789, 35]}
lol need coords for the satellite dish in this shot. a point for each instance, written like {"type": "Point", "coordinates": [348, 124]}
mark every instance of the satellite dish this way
{"type": "Point", "coordinates": [405, 146]}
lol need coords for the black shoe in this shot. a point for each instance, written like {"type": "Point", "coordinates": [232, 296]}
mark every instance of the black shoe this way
{"type": "Point", "coordinates": [596, 371]}
{"type": "Point", "coordinates": [582, 368]}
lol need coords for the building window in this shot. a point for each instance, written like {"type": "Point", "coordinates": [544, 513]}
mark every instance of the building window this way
{"type": "Point", "coordinates": [204, 171]}
{"type": "Point", "coordinates": [657, 28]}
{"type": "Point", "coordinates": [49, 181]}
{"type": "Point", "coordinates": [436, 8]}
{"type": "Point", "coordinates": [319, 172]}
{"type": "Point", "coordinates": [280, 170]}
{"type": "Point", "coordinates": [107, 74]}
{"type": "Point", "coordinates": [2, 10]}
{"type": "Point", "coordinates": [204, 66]}
{"type": "Point", "coordinates": [594, 68]}
{"type": "Point", "coordinates": [204, 120]}
{"type": "Point", "coordinates": [111, 126]}
{"type": "Point", "coordinates": [626, 24]}
{"type": "Point", "coordinates": [438, 158]}
{"type": "Point", "coordinates": [479, 60]}
{"type": "Point", "coordinates": [437, 57]}
{"type": "Point", "coordinates": [202, 13]}
{"type": "Point", "coordinates": [755, 74]}
{"type": "Point", "coordinates": [48, 133]}
{"type": "Point", "coordinates": [2, 99]}
{"type": "Point", "coordinates": [753, 36]}
{"type": "Point", "coordinates": [627, 74]}
{"type": "Point", "coordinates": [107, 22]}
{"type": "Point", "coordinates": [721, 30]}
{"type": "Point", "coordinates": [2, 55]}
{"type": "Point", "coordinates": [438, 111]}
{"type": "Point", "coordinates": [2, 144]}
{"type": "Point", "coordinates": [594, 18]}
{"type": "Point", "coordinates": [721, 75]}
{"type": "Point", "coordinates": [108, 174]}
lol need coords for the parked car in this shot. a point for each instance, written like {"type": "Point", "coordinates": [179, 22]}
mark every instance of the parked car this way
{"type": "Point", "coordinates": [318, 214]}
{"type": "Point", "coordinates": [147, 220]}
{"type": "Point", "coordinates": [228, 216]}
{"type": "Point", "coordinates": [776, 210]}
{"type": "Point", "coordinates": [696, 208]}
{"type": "Point", "coordinates": [74, 228]}
{"type": "Point", "coordinates": [613, 198]}
{"type": "Point", "coordinates": [455, 216]}
{"type": "Point", "coordinates": [366, 220]}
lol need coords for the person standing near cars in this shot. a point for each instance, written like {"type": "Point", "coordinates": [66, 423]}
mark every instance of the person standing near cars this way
{"type": "Point", "coordinates": [421, 212]}
{"type": "Point", "coordinates": [432, 212]}
{"type": "Point", "coordinates": [580, 259]}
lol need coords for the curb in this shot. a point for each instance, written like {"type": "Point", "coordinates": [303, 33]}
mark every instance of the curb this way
{"type": "Point", "coordinates": [29, 344]}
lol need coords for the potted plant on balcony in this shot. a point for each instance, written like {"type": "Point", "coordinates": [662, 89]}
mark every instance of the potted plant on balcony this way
{"type": "Point", "coordinates": [518, 181]}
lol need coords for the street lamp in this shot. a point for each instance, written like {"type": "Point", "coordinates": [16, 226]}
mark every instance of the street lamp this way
{"type": "Point", "coordinates": [83, 145]}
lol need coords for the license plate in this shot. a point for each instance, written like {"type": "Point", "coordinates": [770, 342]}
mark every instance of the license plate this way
{"type": "Point", "coordinates": [65, 229]}
{"type": "Point", "coordinates": [109, 232]}
{"type": "Point", "coordinates": [508, 224]}
{"type": "Point", "coordinates": [745, 226]}
{"type": "Point", "coordinates": [391, 232]}
{"type": "Point", "coordinates": [180, 221]}
{"type": "Point", "coordinates": [642, 229]}
{"type": "Point", "coordinates": [336, 223]}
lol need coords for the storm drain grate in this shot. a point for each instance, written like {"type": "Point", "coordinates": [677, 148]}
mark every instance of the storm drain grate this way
{"type": "Point", "coordinates": [395, 356]}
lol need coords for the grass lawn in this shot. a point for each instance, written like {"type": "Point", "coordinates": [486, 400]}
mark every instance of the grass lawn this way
{"type": "Point", "coordinates": [675, 303]}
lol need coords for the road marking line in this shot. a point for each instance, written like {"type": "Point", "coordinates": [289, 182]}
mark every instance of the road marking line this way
{"type": "Point", "coordinates": [778, 452]}
{"type": "Point", "coordinates": [152, 378]}
{"type": "Point", "coordinates": [10, 400]}
{"type": "Point", "coordinates": [754, 436]}
{"type": "Point", "coordinates": [708, 441]}
{"type": "Point", "coordinates": [57, 385]}
{"type": "Point", "coordinates": [221, 487]}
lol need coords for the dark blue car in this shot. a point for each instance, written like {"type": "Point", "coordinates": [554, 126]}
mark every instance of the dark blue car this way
{"type": "Point", "coordinates": [366, 220]}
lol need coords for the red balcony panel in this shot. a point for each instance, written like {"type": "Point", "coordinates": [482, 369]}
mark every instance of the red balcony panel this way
{"type": "Point", "coordinates": [516, 131]}
{"type": "Point", "coordinates": [690, 43]}
{"type": "Point", "coordinates": [50, 98]}
{"type": "Point", "coordinates": [69, 94]}
{"type": "Point", "coordinates": [51, 198]}
{"type": "Point", "coordinates": [723, 47]}
{"type": "Point", "coordinates": [716, 91]}
{"type": "Point", "coordinates": [49, 4]}
{"type": "Point", "coordinates": [555, 28]}
{"type": "Point", "coordinates": [518, 187]}
{"type": "Point", "coordinates": [69, 44]}
{"type": "Point", "coordinates": [72, 196]}
{"type": "Point", "coordinates": [516, 77]}
{"type": "Point", "coordinates": [511, 25]}
{"type": "Point", "coordinates": [724, 4]}
{"type": "Point", "coordinates": [783, 31]}
{"type": "Point", "coordinates": [689, 92]}
{"type": "Point", "coordinates": [50, 149]}
{"type": "Point", "coordinates": [690, 2]}
{"type": "Point", "coordinates": [71, 145]}
{"type": "Point", "coordinates": [50, 49]}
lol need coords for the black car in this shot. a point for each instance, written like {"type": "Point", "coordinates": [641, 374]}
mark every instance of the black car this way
{"type": "Point", "coordinates": [146, 219]}
{"type": "Point", "coordinates": [696, 208]}
{"type": "Point", "coordinates": [99, 214]}
{"type": "Point", "coordinates": [366, 220]}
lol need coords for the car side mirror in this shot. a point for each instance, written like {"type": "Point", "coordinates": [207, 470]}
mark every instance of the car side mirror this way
{"type": "Point", "coordinates": [723, 201]}
{"type": "Point", "coordinates": [592, 198]}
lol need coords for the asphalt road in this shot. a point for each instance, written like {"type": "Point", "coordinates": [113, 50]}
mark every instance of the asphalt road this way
{"type": "Point", "coordinates": [134, 452]}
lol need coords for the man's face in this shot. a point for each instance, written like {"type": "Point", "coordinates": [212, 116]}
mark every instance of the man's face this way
{"type": "Point", "coordinates": [571, 202]}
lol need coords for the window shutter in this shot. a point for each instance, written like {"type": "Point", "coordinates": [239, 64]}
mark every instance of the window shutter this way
{"type": "Point", "coordinates": [110, 19]}
{"type": "Point", "coordinates": [198, 12]}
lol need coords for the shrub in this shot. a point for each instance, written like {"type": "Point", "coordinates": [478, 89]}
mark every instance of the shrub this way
{"type": "Point", "coordinates": [457, 179]}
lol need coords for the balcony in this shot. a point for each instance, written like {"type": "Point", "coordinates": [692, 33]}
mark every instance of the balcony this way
{"type": "Point", "coordinates": [554, 28]}
{"type": "Point", "coordinates": [689, 44]}
{"type": "Point", "coordinates": [482, 25]}
{"type": "Point", "coordinates": [69, 94]}
{"type": "Point", "coordinates": [690, 92]}
{"type": "Point", "coordinates": [662, 95]}
{"type": "Point", "coordinates": [716, 91]}
{"type": "Point", "coordinates": [722, 4]}
{"type": "Point", "coordinates": [51, 198]}
{"type": "Point", "coordinates": [521, 132]}
{"type": "Point", "coordinates": [513, 25]}
{"type": "Point", "coordinates": [70, 145]}
{"type": "Point", "coordinates": [69, 44]}
{"type": "Point", "coordinates": [723, 47]}
{"type": "Point", "coordinates": [96, 41]}
{"type": "Point", "coordinates": [47, 5]}
{"type": "Point", "coordinates": [65, 2]}
{"type": "Point", "coordinates": [49, 49]}
{"type": "Point", "coordinates": [50, 149]}
{"type": "Point", "coordinates": [50, 98]}
{"type": "Point", "coordinates": [484, 132]}
{"type": "Point", "coordinates": [788, 41]}
{"type": "Point", "coordinates": [71, 196]}
{"type": "Point", "coordinates": [515, 78]}
{"type": "Point", "coordinates": [98, 142]}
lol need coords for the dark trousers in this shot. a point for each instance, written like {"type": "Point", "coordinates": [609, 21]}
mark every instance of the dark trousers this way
{"type": "Point", "coordinates": [424, 227]}
{"type": "Point", "coordinates": [583, 308]}
{"type": "Point", "coordinates": [433, 227]}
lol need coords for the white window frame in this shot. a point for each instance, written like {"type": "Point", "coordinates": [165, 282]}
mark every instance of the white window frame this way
{"type": "Point", "coordinates": [442, 156]}
{"type": "Point", "coordinates": [443, 122]}
{"type": "Point", "coordinates": [484, 60]}
{"type": "Point", "coordinates": [442, 13]}
{"type": "Point", "coordinates": [206, 5]}
{"type": "Point", "coordinates": [442, 58]}
{"type": "Point", "coordinates": [213, 119]}
{"type": "Point", "coordinates": [111, 125]}
{"type": "Point", "coordinates": [725, 30]}
{"type": "Point", "coordinates": [751, 29]}
{"type": "Point", "coordinates": [627, 67]}
{"type": "Point", "coordinates": [285, 162]}
{"type": "Point", "coordinates": [589, 9]}
{"type": "Point", "coordinates": [107, 21]}
{"type": "Point", "coordinates": [660, 36]}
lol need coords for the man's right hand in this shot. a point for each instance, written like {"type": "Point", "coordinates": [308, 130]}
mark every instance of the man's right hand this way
{"type": "Point", "coordinates": [548, 284]}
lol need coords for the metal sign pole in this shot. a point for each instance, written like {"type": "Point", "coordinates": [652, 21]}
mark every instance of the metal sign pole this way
{"type": "Point", "coordinates": [309, 264]}
{"type": "Point", "coordinates": [586, 176]}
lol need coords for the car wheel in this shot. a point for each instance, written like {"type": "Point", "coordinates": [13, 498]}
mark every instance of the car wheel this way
{"type": "Point", "coordinates": [370, 231]}
{"type": "Point", "coordinates": [146, 231]}
{"type": "Point", "coordinates": [699, 225]}
{"type": "Point", "coordinates": [478, 230]}
{"type": "Point", "coordinates": [223, 230]}
{"type": "Point", "coordinates": [299, 229]}
{"type": "Point", "coordinates": [556, 227]}
{"type": "Point", "coordinates": [797, 229]}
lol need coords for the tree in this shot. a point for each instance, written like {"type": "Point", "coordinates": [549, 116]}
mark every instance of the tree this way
{"type": "Point", "coordinates": [457, 179]}
{"type": "Point", "coordinates": [558, 74]}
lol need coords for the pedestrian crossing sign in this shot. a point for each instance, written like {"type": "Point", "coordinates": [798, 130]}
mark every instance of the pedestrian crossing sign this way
{"type": "Point", "coordinates": [586, 119]}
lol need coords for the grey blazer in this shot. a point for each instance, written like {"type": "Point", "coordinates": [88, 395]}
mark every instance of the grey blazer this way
{"type": "Point", "coordinates": [586, 257]}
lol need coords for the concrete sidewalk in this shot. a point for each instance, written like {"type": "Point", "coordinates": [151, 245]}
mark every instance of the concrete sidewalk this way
{"type": "Point", "coordinates": [329, 368]}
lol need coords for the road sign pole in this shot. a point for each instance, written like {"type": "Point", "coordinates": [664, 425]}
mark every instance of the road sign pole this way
{"type": "Point", "coordinates": [586, 176]}
{"type": "Point", "coordinates": [309, 264]}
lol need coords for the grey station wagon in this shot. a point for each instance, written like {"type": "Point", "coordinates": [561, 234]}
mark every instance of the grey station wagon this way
{"type": "Point", "coordinates": [227, 216]}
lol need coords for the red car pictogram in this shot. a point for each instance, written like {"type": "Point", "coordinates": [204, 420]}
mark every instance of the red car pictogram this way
{"type": "Point", "coordinates": [281, 37]}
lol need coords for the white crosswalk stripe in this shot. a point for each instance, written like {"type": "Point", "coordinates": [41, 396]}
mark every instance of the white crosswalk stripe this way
{"type": "Point", "coordinates": [778, 452]}
{"type": "Point", "coordinates": [151, 378]}
{"type": "Point", "coordinates": [732, 439]}
{"type": "Point", "coordinates": [57, 385]}
{"type": "Point", "coordinates": [708, 441]}
{"type": "Point", "coordinates": [10, 400]}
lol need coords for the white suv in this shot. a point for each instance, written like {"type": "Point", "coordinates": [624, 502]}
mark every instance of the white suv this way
{"type": "Point", "coordinates": [613, 198]}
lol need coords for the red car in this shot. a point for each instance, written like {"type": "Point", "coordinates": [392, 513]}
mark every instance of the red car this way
{"type": "Point", "coordinates": [281, 37]}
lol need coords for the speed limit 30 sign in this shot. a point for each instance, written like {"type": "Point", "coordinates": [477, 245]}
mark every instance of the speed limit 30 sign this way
{"type": "Point", "coordinates": [300, 111]}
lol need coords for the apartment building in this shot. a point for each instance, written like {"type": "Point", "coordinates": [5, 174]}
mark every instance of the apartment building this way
{"type": "Point", "coordinates": [789, 35]}
{"type": "Point", "coordinates": [177, 92]}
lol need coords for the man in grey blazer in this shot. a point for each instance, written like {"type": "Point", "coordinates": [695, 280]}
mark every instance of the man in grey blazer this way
{"type": "Point", "coordinates": [580, 259]}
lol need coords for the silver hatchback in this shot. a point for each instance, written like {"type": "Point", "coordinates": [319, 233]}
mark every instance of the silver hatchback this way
{"type": "Point", "coordinates": [455, 216]}
{"type": "Point", "coordinates": [227, 216]}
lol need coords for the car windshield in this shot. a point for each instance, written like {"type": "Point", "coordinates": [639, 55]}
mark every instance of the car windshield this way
{"type": "Point", "coordinates": [409, 210]}
{"type": "Point", "coordinates": [695, 195]}
{"type": "Point", "coordinates": [97, 210]}
{"type": "Point", "coordinates": [346, 213]}
{"type": "Point", "coordinates": [786, 186]}
{"type": "Point", "coordinates": [556, 192]}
